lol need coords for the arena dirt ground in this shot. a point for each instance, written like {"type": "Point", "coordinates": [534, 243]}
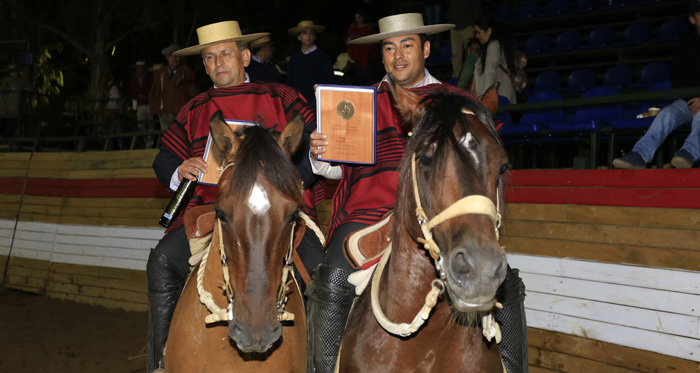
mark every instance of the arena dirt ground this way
{"type": "Point", "coordinates": [40, 334]}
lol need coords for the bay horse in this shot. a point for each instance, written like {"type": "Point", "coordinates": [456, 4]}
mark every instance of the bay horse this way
{"type": "Point", "coordinates": [448, 202]}
{"type": "Point", "coordinates": [257, 209]}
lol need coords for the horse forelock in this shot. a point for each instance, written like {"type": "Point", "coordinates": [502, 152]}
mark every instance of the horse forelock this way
{"type": "Point", "coordinates": [259, 154]}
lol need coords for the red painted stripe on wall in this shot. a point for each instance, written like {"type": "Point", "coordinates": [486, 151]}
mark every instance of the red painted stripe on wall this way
{"type": "Point", "coordinates": [632, 197]}
{"type": "Point", "coordinates": [667, 178]}
{"type": "Point", "coordinates": [98, 188]}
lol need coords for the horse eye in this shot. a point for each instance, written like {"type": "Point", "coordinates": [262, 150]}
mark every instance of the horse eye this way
{"type": "Point", "coordinates": [505, 167]}
{"type": "Point", "coordinates": [425, 159]}
{"type": "Point", "coordinates": [220, 214]}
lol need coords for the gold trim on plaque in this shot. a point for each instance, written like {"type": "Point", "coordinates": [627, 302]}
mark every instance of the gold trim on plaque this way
{"type": "Point", "coordinates": [345, 109]}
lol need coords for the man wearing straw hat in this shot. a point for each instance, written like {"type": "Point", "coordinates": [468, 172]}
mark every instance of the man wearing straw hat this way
{"type": "Point", "coordinates": [309, 65]}
{"type": "Point", "coordinates": [173, 85]}
{"type": "Point", "coordinates": [225, 55]}
{"type": "Point", "coordinates": [404, 48]}
{"type": "Point", "coordinates": [261, 66]}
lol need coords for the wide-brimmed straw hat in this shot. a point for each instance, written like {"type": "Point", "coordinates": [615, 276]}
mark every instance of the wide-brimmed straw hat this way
{"type": "Point", "coordinates": [215, 33]}
{"type": "Point", "coordinates": [265, 40]}
{"type": "Point", "coordinates": [306, 25]}
{"type": "Point", "coordinates": [402, 24]}
{"type": "Point", "coordinates": [170, 49]}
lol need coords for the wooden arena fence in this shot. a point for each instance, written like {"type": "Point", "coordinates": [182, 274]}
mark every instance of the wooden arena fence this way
{"type": "Point", "coordinates": [610, 258]}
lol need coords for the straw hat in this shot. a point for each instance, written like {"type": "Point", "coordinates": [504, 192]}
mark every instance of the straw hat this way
{"type": "Point", "coordinates": [140, 63]}
{"type": "Point", "coordinates": [261, 42]}
{"type": "Point", "coordinates": [215, 33]}
{"type": "Point", "coordinates": [306, 25]}
{"type": "Point", "coordinates": [342, 61]}
{"type": "Point", "coordinates": [402, 24]}
{"type": "Point", "coordinates": [170, 49]}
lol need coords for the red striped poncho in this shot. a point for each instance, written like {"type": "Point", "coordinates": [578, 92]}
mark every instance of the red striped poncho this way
{"type": "Point", "coordinates": [271, 104]}
{"type": "Point", "coordinates": [366, 192]}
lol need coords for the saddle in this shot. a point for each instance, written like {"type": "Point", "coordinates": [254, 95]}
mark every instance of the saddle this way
{"type": "Point", "coordinates": [364, 247]}
{"type": "Point", "coordinates": [199, 227]}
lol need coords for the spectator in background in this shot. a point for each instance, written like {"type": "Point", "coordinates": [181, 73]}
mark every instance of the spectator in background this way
{"type": "Point", "coordinates": [173, 85]}
{"type": "Point", "coordinates": [261, 66]}
{"type": "Point", "coordinates": [463, 13]}
{"type": "Point", "coordinates": [363, 55]}
{"type": "Point", "coordinates": [12, 101]}
{"type": "Point", "coordinates": [473, 54]}
{"type": "Point", "coordinates": [496, 62]}
{"type": "Point", "coordinates": [685, 73]}
{"type": "Point", "coordinates": [113, 113]}
{"type": "Point", "coordinates": [139, 89]}
{"type": "Point", "coordinates": [309, 65]}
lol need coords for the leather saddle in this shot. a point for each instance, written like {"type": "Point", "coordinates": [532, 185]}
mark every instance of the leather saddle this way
{"type": "Point", "coordinates": [366, 245]}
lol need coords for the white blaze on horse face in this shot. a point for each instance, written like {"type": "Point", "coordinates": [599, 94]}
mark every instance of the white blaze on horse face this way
{"type": "Point", "coordinates": [258, 202]}
{"type": "Point", "coordinates": [469, 143]}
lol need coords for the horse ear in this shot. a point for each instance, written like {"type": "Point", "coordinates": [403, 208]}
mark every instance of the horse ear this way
{"type": "Point", "coordinates": [490, 98]}
{"type": "Point", "coordinates": [407, 102]}
{"type": "Point", "coordinates": [224, 137]}
{"type": "Point", "coordinates": [290, 139]}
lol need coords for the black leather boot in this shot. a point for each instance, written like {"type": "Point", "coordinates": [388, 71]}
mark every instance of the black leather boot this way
{"type": "Point", "coordinates": [330, 297]}
{"type": "Point", "coordinates": [511, 318]}
{"type": "Point", "coordinates": [164, 287]}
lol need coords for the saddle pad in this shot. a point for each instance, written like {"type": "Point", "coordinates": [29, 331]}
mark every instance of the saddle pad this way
{"type": "Point", "coordinates": [368, 243]}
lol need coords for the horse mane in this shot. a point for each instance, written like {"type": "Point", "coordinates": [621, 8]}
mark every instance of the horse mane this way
{"type": "Point", "coordinates": [259, 153]}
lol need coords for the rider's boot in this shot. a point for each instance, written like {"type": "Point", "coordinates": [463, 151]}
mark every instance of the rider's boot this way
{"type": "Point", "coordinates": [511, 318]}
{"type": "Point", "coordinates": [330, 298]}
{"type": "Point", "coordinates": [164, 287]}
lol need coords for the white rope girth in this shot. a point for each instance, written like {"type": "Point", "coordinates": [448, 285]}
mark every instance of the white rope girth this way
{"type": "Point", "coordinates": [226, 314]}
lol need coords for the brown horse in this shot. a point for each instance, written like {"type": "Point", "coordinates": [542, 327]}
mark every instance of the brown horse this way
{"type": "Point", "coordinates": [257, 207]}
{"type": "Point", "coordinates": [447, 202]}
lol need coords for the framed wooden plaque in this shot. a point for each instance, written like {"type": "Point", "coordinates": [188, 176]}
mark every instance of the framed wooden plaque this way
{"type": "Point", "coordinates": [213, 156]}
{"type": "Point", "coordinates": [347, 116]}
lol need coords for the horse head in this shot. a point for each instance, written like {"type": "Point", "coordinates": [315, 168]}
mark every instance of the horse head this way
{"type": "Point", "coordinates": [259, 197]}
{"type": "Point", "coordinates": [450, 191]}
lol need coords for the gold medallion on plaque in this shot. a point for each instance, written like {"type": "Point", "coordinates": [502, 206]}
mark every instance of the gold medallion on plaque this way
{"type": "Point", "coordinates": [345, 109]}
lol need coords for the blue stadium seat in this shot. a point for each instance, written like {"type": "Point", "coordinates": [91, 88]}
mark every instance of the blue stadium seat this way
{"type": "Point", "coordinates": [579, 81]}
{"type": "Point", "coordinates": [535, 122]}
{"type": "Point", "coordinates": [546, 81]}
{"type": "Point", "coordinates": [556, 8]}
{"type": "Point", "coordinates": [501, 13]}
{"type": "Point", "coordinates": [618, 76]}
{"type": "Point", "coordinates": [444, 55]}
{"type": "Point", "coordinates": [615, 4]}
{"type": "Point", "coordinates": [536, 44]}
{"type": "Point", "coordinates": [671, 30]}
{"type": "Point", "coordinates": [630, 121]}
{"type": "Point", "coordinates": [527, 10]}
{"type": "Point", "coordinates": [601, 37]}
{"type": "Point", "coordinates": [652, 73]}
{"type": "Point", "coordinates": [634, 34]}
{"type": "Point", "coordinates": [592, 118]}
{"type": "Point", "coordinates": [566, 41]}
{"type": "Point", "coordinates": [504, 116]}
{"type": "Point", "coordinates": [585, 6]}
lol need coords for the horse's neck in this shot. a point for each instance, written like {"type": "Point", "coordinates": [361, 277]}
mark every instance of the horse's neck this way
{"type": "Point", "coordinates": [408, 276]}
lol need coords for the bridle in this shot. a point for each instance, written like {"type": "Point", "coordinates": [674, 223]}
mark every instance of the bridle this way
{"type": "Point", "coordinates": [472, 204]}
{"type": "Point", "coordinates": [226, 314]}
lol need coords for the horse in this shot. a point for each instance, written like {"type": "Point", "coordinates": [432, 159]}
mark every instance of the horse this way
{"type": "Point", "coordinates": [448, 202]}
{"type": "Point", "coordinates": [257, 209]}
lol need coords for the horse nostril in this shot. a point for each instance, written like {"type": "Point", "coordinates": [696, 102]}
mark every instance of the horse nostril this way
{"type": "Point", "coordinates": [461, 265]}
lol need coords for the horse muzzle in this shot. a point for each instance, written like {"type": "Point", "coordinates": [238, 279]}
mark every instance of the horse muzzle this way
{"type": "Point", "coordinates": [250, 339]}
{"type": "Point", "coordinates": [473, 276]}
